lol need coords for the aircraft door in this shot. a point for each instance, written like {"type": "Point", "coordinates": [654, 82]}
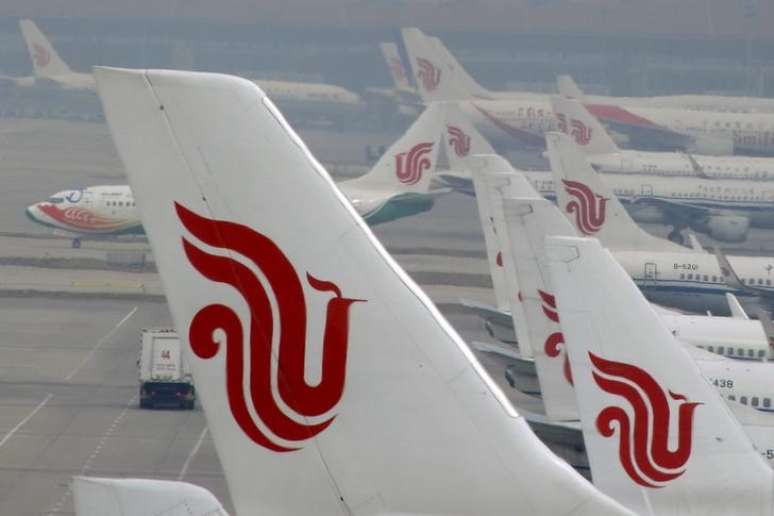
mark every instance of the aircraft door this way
{"type": "Point", "coordinates": [650, 273]}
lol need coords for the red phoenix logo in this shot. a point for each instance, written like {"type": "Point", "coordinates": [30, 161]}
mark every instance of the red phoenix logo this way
{"type": "Point", "coordinates": [643, 446]}
{"type": "Point", "coordinates": [554, 342]}
{"type": "Point", "coordinates": [581, 132]}
{"type": "Point", "coordinates": [458, 140]}
{"type": "Point", "coordinates": [305, 400]}
{"type": "Point", "coordinates": [41, 56]}
{"type": "Point", "coordinates": [428, 74]}
{"type": "Point", "coordinates": [410, 165]}
{"type": "Point", "coordinates": [588, 207]}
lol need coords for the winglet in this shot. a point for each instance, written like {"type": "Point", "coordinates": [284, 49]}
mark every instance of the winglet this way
{"type": "Point", "coordinates": [729, 274]}
{"type": "Point", "coordinates": [737, 311]}
{"type": "Point", "coordinates": [768, 327]}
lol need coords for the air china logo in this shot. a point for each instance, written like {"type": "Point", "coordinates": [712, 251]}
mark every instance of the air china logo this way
{"type": "Point", "coordinates": [40, 55]}
{"type": "Point", "coordinates": [428, 74]}
{"type": "Point", "coordinates": [458, 140]}
{"type": "Point", "coordinates": [643, 444]}
{"type": "Point", "coordinates": [588, 207]}
{"type": "Point", "coordinates": [250, 342]}
{"type": "Point", "coordinates": [581, 132]}
{"type": "Point", "coordinates": [554, 344]}
{"type": "Point", "coordinates": [576, 128]}
{"type": "Point", "coordinates": [410, 165]}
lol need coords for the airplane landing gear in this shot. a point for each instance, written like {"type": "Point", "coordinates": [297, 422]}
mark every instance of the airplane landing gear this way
{"type": "Point", "coordinates": [76, 243]}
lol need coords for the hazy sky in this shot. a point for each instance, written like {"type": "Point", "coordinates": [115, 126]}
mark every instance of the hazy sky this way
{"type": "Point", "coordinates": [703, 18]}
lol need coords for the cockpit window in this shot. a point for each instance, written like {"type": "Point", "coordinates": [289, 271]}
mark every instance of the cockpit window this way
{"type": "Point", "coordinates": [56, 200]}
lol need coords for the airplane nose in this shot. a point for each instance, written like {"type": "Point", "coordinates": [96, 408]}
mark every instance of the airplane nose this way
{"type": "Point", "coordinates": [32, 212]}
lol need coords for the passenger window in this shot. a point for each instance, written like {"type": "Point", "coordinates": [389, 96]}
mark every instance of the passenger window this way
{"type": "Point", "coordinates": [743, 400]}
{"type": "Point", "coordinates": [721, 350]}
{"type": "Point", "coordinates": [731, 397]}
{"type": "Point", "coordinates": [740, 352]}
{"type": "Point", "coordinates": [711, 349]}
{"type": "Point", "coordinates": [751, 353]}
{"type": "Point", "coordinates": [706, 278]}
{"type": "Point", "coordinates": [761, 353]}
{"type": "Point", "coordinates": [754, 401]}
{"type": "Point", "coordinates": [682, 275]}
{"type": "Point", "coordinates": [714, 279]}
{"type": "Point", "coordinates": [766, 402]}
{"type": "Point", "coordinates": [690, 276]}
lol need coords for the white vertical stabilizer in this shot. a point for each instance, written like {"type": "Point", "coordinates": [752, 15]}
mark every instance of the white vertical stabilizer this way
{"type": "Point", "coordinates": [591, 205]}
{"type": "Point", "coordinates": [398, 72]}
{"type": "Point", "coordinates": [361, 398]}
{"type": "Point", "coordinates": [528, 222]}
{"type": "Point", "coordinates": [588, 132]}
{"type": "Point", "coordinates": [409, 164]}
{"type": "Point", "coordinates": [45, 59]}
{"type": "Point", "coordinates": [658, 436]}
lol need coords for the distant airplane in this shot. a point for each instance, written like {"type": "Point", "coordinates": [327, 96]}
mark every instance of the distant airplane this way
{"type": "Point", "coordinates": [46, 63]}
{"type": "Point", "coordinates": [399, 185]}
{"type": "Point", "coordinates": [669, 274]}
{"type": "Point", "coordinates": [302, 98]}
{"type": "Point", "coordinates": [721, 197]}
{"type": "Point", "coordinates": [256, 245]}
{"type": "Point", "coordinates": [525, 116]}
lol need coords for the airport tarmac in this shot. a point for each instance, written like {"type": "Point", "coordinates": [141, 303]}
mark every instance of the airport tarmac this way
{"type": "Point", "coordinates": [70, 324]}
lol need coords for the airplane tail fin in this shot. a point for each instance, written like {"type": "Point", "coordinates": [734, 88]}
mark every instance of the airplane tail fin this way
{"type": "Point", "coordinates": [462, 139]}
{"type": "Point", "coordinates": [457, 72]}
{"type": "Point", "coordinates": [398, 72]}
{"type": "Point", "coordinates": [492, 174]}
{"type": "Point", "coordinates": [436, 81]}
{"type": "Point", "coordinates": [45, 60]}
{"type": "Point", "coordinates": [359, 393]}
{"type": "Point", "coordinates": [410, 163]}
{"type": "Point", "coordinates": [527, 223]}
{"type": "Point", "coordinates": [93, 496]}
{"type": "Point", "coordinates": [659, 437]}
{"type": "Point", "coordinates": [590, 204]}
{"type": "Point", "coordinates": [569, 88]}
{"type": "Point", "coordinates": [588, 132]}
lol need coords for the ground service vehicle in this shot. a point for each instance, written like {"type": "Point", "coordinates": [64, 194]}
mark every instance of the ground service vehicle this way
{"type": "Point", "coordinates": [165, 378]}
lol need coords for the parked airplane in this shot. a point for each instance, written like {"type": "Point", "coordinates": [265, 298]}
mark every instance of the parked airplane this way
{"type": "Point", "coordinates": [46, 63]}
{"type": "Point", "coordinates": [659, 438]}
{"type": "Point", "coordinates": [667, 273]}
{"type": "Point", "coordinates": [397, 186]}
{"type": "Point", "coordinates": [518, 241]}
{"type": "Point", "coordinates": [728, 103]}
{"type": "Point", "coordinates": [306, 98]}
{"type": "Point", "coordinates": [526, 116]}
{"type": "Point", "coordinates": [606, 157]}
{"type": "Point", "coordinates": [522, 228]}
{"type": "Point", "coordinates": [401, 418]}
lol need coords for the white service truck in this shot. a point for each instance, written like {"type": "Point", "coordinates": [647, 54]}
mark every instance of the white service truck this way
{"type": "Point", "coordinates": [165, 378]}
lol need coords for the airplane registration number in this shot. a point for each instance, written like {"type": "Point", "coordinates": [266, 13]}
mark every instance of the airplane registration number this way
{"type": "Point", "coordinates": [686, 266]}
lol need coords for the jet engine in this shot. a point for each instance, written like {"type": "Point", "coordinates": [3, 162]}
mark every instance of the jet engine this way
{"type": "Point", "coordinates": [725, 227]}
